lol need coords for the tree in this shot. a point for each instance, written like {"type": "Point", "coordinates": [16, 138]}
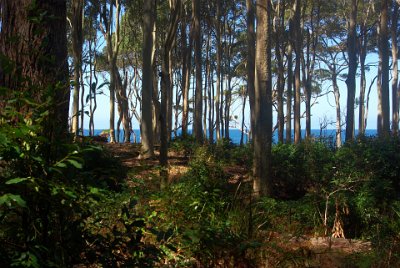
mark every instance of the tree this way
{"type": "Point", "coordinates": [297, 82]}
{"type": "Point", "coordinates": [218, 69]}
{"type": "Point", "coordinates": [33, 49]}
{"type": "Point", "coordinates": [351, 76]}
{"type": "Point", "coordinates": [279, 30]}
{"type": "Point", "coordinates": [251, 58]}
{"type": "Point", "coordinates": [186, 69]}
{"type": "Point", "coordinates": [289, 82]}
{"type": "Point", "coordinates": [77, 43]}
{"type": "Point", "coordinates": [198, 110]}
{"type": "Point", "coordinates": [395, 89]}
{"type": "Point", "coordinates": [383, 76]}
{"type": "Point", "coordinates": [166, 84]}
{"type": "Point", "coordinates": [263, 102]}
{"type": "Point", "coordinates": [146, 127]}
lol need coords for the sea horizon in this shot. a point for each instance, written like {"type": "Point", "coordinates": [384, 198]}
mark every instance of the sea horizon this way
{"type": "Point", "coordinates": [235, 134]}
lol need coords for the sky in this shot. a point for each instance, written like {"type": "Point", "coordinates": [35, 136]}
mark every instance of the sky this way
{"type": "Point", "coordinates": [324, 107]}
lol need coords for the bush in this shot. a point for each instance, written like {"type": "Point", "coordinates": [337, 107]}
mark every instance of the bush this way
{"type": "Point", "coordinates": [204, 223]}
{"type": "Point", "coordinates": [51, 208]}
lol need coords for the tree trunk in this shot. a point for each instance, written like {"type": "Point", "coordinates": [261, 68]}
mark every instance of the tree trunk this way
{"type": "Point", "coordinates": [39, 51]}
{"type": "Point", "coordinates": [289, 86]}
{"type": "Point", "coordinates": [186, 66]}
{"type": "Point", "coordinates": [298, 48]}
{"type": "Point", "coordinates": [198, 109]}
{"type": "Point", "coordinates": [383, 89]}
{"type": "Point", "coordinates": [218, 63]}
{"type": "Point", "coordinates": [77, 43]}
{"type": "Point", "coordinates": [279, 30]}
{"type": "Point", "coordinates": [146, 127]}
{"type": "Point", "coordinates": [166, 89]}
{"type": "Point", "coordinates": [363, 56]}
{"type": "Point", "coordinates": [351, 77]}
{"type": "Point", "coordinates": [251, 43]}
{"type": "Point", "coordinates": [263, 104]}
{"type": "Point", "coordinates": [395, 90]}
{"type": "Point", "coordinates": [336, 92]}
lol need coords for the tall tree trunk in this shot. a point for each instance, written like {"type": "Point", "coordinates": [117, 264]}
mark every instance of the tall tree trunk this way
{"type": "Point", "coordinates": [279, 30]}
{"type": "Point", "coordinates": [146, 127]}
{"type": "Point", "coordinates": [33, 38]}
{"type": "Point", "coordinates": [395, 90]}
{"type": "Point", "coordinates": [198, 109]}
{"type": "Point", "coordinates": [155, 96]}
{"type": "Point", "coordinates": [351, 77]}
{"type": "Point", "coordinates": [166, 88]}
{"type": "Point", "coordinates": [251, 43]}
{"type": "Point", "coordinates": [363, 56]}
{"type": "Point", "coordinates": [186, 66]}
{"type": "Point", "coordinates": [383, 89]}
{"type": "Point", "coordinates": [336, 92]}
{"type": "Point", "coordinates": [77, 43]}
{"type": "Point", "coordinates": [263, 102]}
{"type": "Point", "coordinates": [298, 47]}
{"type": "Point", "coordinates": [218, 63]}
{"type": "Point", "coordinates": [289, 86]}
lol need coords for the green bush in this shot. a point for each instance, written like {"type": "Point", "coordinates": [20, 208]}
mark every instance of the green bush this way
{"type": "Point", "coordinates": [204, 223]}
{"type": "Point", "coordinates": [56, 212]}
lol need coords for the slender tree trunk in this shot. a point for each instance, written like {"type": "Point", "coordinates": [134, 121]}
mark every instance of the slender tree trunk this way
{"type": "Point", "coordinates": [166, 89]}
{"type": "Point", "coordinates": [297, 97]}
{"type": "Point", "coordinates": [218, 63]}
{"type": "Point", "coordinates": [263, 102]}
{"type": "Point", "coordinates": [155, 96]}
{"type": "Point", "coordinates": [351, 77]}
{"type": "Point", "coordinates": [77, 44]}
{"type": "Point", "coordinates": [146, 127]}
{"type": "Point", "coordinates": [383, 90]}
{"type": "Point", "coordinates": [198, 110]}
{"type": "Point", "coordinates": [279, 30]}
{"type": "Point", "coordinates": [186, 66]}
{"type": "Point", "coordinates": [363, 56]}
{"type": "Point", "coordinates": [336, 92]}
{"type": "Point", "coordinates": [289, 89]}
{"type": "Point", "coordinates": [395, 90]}
{"type": "Point", "coordinates": [251, 43]}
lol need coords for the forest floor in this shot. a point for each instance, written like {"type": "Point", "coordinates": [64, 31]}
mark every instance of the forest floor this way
{"type": "Point", "coordinates": [324, 252]}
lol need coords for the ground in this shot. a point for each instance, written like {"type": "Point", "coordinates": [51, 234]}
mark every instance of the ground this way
{"type": "Point", "coordinates": [324, 252]}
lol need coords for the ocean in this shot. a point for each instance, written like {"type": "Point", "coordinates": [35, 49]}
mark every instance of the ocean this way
{"type": "Point", "coordinates": [235, 134]}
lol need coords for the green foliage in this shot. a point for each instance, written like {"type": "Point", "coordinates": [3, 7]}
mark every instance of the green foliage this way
{"type": "Point", "coordinates": [56, 212]}
{"type": "Point", "coordinates": [186, 144]}
{"type": "Point", "coordinates": [297, 168]}
{"type": "Point", "coordinates": [203, 221]}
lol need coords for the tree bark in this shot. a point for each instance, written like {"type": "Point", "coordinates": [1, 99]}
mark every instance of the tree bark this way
{"type": "Point", "coordinates": [198, 110]}
{"type": "Point", "coordinates": [77, 43]}
{"type": "Point", "coordinates": [383, 89]}
{"type": "Point", "coordinates": [351, 76]}
{"type": "Point", "coordinates": [186, 67]}
{"type": "Point", "coordinates": [395, 90]}
{"type": "Point", "coordinates": [146, 127]}
{"type": "Point", "coordinates": [33, 41]}
{"type": "Point", "coordinates": [263, 103]}
{"type": "Point", "coordinates": [218, 63]}
{"type": "Point", "coordinates": [251, 43]}
{"type": "Point", "coordinates": [298, 48]}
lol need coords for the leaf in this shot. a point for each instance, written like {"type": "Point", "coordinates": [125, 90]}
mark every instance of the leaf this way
{"type": "Point", "coordinates": [102, 85]}
{"type": "Point", "coordinates": [60, 164]}
{"type": "Point", "coordinates": [75, 163]}
{"type": "Point", "coordinates": [16, 181]}
{"type": "Point", "coordinates": [7, 198]}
